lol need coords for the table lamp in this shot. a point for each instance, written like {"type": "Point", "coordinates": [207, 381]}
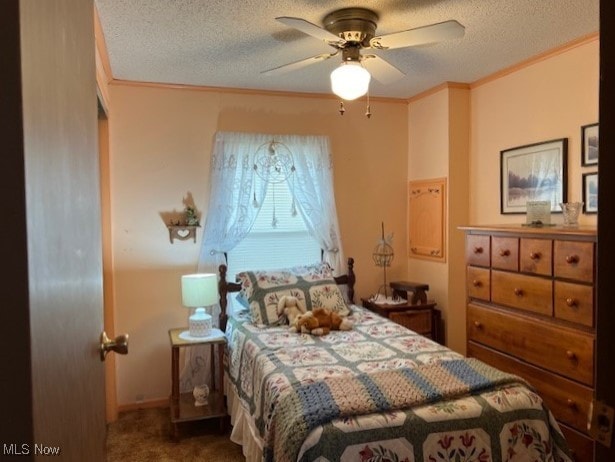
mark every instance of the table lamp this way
{"type": "Point", "coordinates": [198, 291]}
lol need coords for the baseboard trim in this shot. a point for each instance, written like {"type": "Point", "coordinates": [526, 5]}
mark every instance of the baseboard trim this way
{"type": "Point", "coordinates": [160, 402]}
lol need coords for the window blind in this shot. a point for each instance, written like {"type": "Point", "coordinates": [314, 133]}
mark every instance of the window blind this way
{"type": "Point", "coordinates": [268, 247]}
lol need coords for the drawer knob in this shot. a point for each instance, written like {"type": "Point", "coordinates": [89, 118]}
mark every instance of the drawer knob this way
{"type": "Point", "coordinates": [518, 292]}
{"type": "Point", "coordinates": [571, 302]}
{"type": "Point", "coordinates": [478, 324]}
{"type": "Point", "coordinates": [535, 255]}
{"type": "Point", "coordinates": [571, 404]}
{"type": "Point", "coordinates": [572, 259]}
{"type": "Point", "coordinates": [504, 253]}
{"type": "Point", "coordinates": [476, 283]}
{"type": "Point", "coordinates": [478, 250]}
{"type": "Point", "coordinates": [571, 355]}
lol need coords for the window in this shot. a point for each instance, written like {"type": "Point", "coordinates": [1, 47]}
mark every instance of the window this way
{"type": "Point", "coordinates": [268, 247]}
{"type": "Point", "coordinates": [235, 183]}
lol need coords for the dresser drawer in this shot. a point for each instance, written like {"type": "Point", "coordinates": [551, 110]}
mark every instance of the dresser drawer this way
{"type": "Point", "coordinates": [478, 250]}
{"type": "Point", "coordinates": [535, 256]}
{"type": "Point", "coordinates": [574, 302]}
{"type": "Point", "coordinates": [505, 253]}
{"type": "Point", "coordinates": [479, 285]}
{"type": "Point", "coordinates": [559, 349]}
{"type": "Point", "coordinates": [582, 446]}
{"type": "Point", "coordinates": [528, 293]}
{"type": "Point", "coordinates": [569, 401]}
{"type": "Point", "coordinates": [574, 260]}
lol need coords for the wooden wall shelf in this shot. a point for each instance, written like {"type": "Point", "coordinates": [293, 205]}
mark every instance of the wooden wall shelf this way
{"type": "Point", "coordinates": [182, 232]}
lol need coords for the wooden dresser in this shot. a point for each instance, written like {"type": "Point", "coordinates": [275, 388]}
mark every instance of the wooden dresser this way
{"type": "Point", "coordinates": [531, 311]}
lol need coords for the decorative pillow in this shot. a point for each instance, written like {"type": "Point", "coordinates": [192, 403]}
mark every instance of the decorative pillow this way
{"type": "Point", "coordinates": [313, 285]}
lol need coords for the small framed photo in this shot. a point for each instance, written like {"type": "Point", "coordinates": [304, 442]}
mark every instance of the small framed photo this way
{"type": "Point", "coordinates": [535, 172]}
{"type": "Point", "coordinates": [590, 192]}
{"type": "Point", "coordinates": [589, 145]}
{"type": "Point", "coordinates": [538, 213]}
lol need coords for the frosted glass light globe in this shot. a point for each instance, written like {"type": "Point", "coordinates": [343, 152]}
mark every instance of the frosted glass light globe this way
{"type": "Point", "coordinates": [350, 80]}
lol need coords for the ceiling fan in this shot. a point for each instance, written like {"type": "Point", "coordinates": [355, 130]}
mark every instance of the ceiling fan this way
{"type": "Point", "coordinates": [350, 30]}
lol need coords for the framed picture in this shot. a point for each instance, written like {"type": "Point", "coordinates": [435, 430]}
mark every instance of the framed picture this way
{"type": "Point", "coordinates": [535, 172]}
{"type": "Point", "coordinates": [589, 144]}
{"type": "Point", "coordinates": [590, 192]}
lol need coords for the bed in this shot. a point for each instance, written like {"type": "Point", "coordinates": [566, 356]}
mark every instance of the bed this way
{"type": "Point", "coordinates": [377, 392]}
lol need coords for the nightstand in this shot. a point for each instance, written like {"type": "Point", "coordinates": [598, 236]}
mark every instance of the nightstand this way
{"type": "Point", "coordinates": [417, 313]}
{"type": "Point", "coordinates": [182, 404]}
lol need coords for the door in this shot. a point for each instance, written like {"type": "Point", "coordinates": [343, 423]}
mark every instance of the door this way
{"type": "Point", "coordinates": [57, 401]}
{"type": "Point", "coordinates": [605, 345]}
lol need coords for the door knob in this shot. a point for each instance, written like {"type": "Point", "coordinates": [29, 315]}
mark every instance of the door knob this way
{"type": "Point", "coordinates": [119, 345]}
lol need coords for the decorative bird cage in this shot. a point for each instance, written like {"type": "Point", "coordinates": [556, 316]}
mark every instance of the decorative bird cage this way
{"type": "Point", "coordinates": [383, 256]}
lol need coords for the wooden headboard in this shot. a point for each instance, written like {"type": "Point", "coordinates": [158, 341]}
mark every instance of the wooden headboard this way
{"type": "Point", "coordinates": [225, 287]}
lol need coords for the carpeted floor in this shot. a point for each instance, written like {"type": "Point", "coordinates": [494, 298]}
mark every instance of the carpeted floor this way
{"type": "Point", "coordinates": [144, 435]}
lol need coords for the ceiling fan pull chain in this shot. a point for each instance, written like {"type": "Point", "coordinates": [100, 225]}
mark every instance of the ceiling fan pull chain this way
{"type": "Point", "coordinates": [342, 110]}
{"type": "Point", "coordinates": [368, 112]}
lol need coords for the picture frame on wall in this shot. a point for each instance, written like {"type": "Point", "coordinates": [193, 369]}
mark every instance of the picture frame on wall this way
{"type": "Point", "coordinates": [589, 144]}
{"type": "Point", "coordinates": [534, 172]}
{"type": "Point", "coordinates": [590, 192]}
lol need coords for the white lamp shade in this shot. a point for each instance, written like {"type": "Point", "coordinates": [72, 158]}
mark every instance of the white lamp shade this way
{"type": "Point", "coordinates": [199, 290]}
{"type": "Point", "coordinates": [350, 80]}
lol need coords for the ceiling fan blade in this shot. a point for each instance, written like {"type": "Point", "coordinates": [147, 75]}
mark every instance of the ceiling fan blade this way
{"type": "Point", "coordinates": [381, 70]}
{"type": "Point", "coordinates": [419, 36]}
{"type": "Point", "coordinates": [312, 29]}
{"type": "Point", "coordinates": [299, 64]}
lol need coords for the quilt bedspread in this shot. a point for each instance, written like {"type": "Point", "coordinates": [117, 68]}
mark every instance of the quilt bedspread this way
{"type": "Point", "coordinates": [382, 393]}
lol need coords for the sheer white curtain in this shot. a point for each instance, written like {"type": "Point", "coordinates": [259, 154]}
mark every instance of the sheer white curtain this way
{"type": "Point", "coordinates": [235, 199]}
{"type": "Point", "coordinates": [312, 187]}
{"type": "Point", "coordinates": [235, 196]}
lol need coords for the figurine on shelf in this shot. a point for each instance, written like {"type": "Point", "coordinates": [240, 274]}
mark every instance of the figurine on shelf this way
{"type": "Point", "coordinates": [191, 217]}
{"type": "Point", "coordinates": [200, 393]}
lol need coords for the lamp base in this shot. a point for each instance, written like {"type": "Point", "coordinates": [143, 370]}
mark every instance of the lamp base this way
{"type": "Point", "coordinates": [199, 323]}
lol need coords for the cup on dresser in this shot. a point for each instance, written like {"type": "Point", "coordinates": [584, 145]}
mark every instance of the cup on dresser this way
{"type": "Point", "coordinates": [571, 212]}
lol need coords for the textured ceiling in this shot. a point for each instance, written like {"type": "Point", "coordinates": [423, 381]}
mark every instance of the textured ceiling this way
{"type": "Point", "coordinates": [228, 43]}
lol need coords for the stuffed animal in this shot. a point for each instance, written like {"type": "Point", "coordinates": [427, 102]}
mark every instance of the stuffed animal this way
{"type": "Point", "coordinates": [292, 308]}
{"type": "Point", "coordinates": [320, 321]}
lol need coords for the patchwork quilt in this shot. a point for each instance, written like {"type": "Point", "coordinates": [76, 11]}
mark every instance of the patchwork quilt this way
{"type": "Point", "coordinates": [381, 392]}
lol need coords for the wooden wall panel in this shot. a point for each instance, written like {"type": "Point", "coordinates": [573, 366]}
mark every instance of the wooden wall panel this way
{"type": "Point", "coordinates": [427, 219]}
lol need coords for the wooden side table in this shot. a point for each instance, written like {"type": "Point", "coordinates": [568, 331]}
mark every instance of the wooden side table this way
{"type": "Point", "coordinates": [182, 404]}
{"type": "Point", "coordinates": [417, 313]}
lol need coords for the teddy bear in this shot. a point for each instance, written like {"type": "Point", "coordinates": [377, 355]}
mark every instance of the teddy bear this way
{"type": "Point", "coordinates": [320, 321]}
{"type": "Point", "coordinates": [292, 308]}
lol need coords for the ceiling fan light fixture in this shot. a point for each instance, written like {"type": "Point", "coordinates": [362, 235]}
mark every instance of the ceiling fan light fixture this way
{"type": "Point", "coordinates": [350, 80]}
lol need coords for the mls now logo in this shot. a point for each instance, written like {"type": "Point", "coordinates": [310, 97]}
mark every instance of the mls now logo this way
{"type": "Point", "coordinates": [16, 449]}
